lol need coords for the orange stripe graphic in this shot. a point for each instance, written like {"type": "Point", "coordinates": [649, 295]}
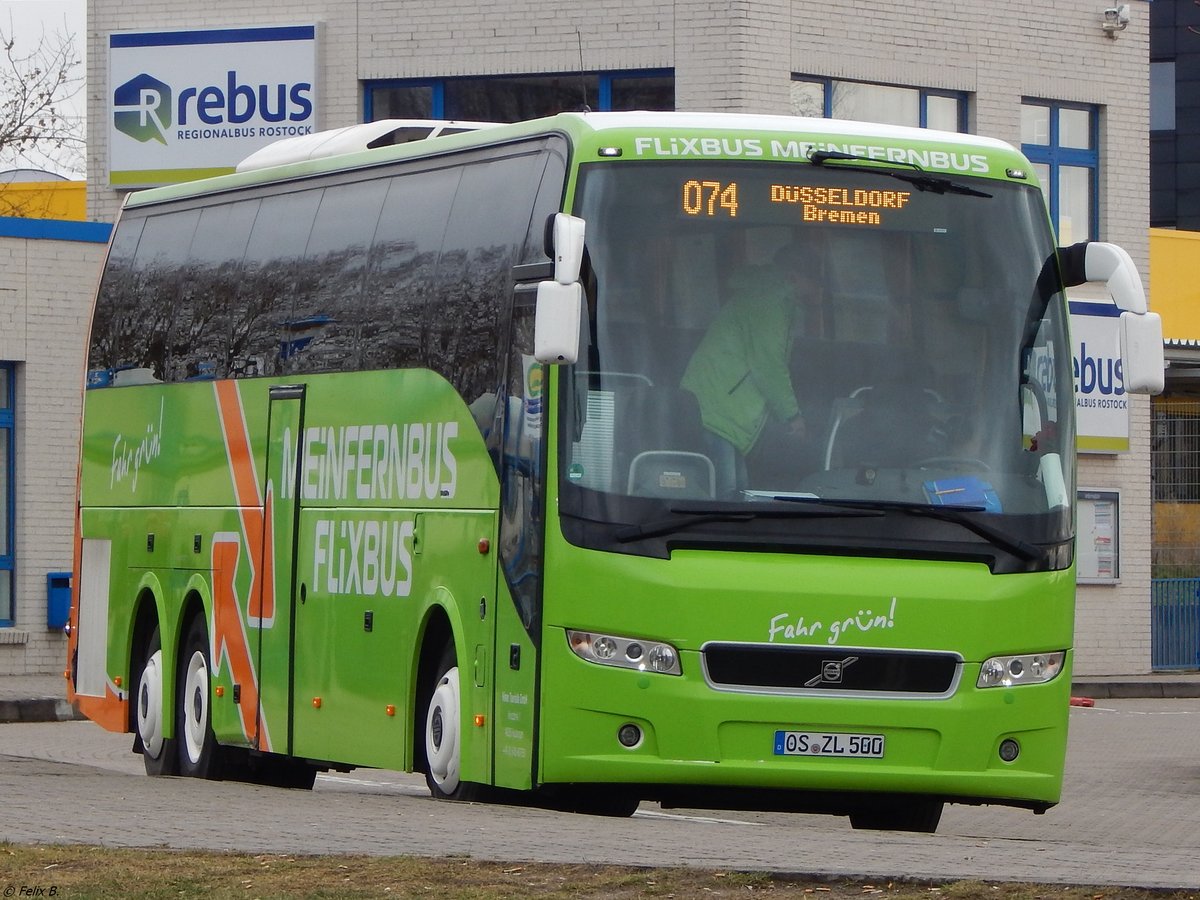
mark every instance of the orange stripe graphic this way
{"type": "Point", "coordinates": [229, 628]}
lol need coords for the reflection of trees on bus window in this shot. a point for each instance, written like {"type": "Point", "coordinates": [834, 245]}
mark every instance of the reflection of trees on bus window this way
{"type": "Point", "coordinates": [326, 319]}
{"type": "Point", "coordinates": [488, 223]}
{"type": "Point", "coordinates": [273, 274]}
{"type": "Point", "coordinates": [208, 333]}
{"type": "Point", "coordinates": [403, 269]}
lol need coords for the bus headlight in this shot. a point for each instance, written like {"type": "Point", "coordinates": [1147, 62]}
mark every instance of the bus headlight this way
{"type": "Point", "coordinates": [1009, 671]}
{"type": "Point", "coordinates": [626, 653]}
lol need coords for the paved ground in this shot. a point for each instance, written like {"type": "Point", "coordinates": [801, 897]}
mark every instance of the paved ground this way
{"type": "Point", "coordinates": [1130, 814]}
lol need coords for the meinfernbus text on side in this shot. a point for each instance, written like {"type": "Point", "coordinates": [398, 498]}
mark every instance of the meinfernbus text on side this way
{"type": "Point", "coordinates": [712, 460]}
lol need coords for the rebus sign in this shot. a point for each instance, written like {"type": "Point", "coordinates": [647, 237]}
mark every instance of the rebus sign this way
{"type": "Point", "coordinates": [1101, 404]}
{"type": "Point", "coordinates": [190, 104]}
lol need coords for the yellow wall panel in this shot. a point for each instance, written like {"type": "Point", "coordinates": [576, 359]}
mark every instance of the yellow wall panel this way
{"type": "Point", "coordinates": [1175, 282]}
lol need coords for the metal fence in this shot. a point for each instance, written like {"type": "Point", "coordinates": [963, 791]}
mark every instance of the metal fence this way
{"type": "Point", "coordinates": [1175, 623]}
{"type": "Point", "coordinates": [1175, 548]}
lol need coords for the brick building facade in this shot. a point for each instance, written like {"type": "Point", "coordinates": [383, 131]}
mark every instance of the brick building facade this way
{"type": "Point", "coordinates": [998, 72]}
{"type": "Point", "coordinates": [48, 270]}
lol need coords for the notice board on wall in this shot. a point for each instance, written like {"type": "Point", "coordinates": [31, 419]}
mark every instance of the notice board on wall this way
{"type": "Point", "coordinates": [1098, 540]}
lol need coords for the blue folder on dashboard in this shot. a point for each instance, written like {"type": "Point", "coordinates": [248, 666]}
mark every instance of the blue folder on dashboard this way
{"type": "Point", "coordinates": [965, 490]}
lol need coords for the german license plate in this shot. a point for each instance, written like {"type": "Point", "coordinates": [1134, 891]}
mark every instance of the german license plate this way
{"type": "Point", "coordinates": [822, 743]}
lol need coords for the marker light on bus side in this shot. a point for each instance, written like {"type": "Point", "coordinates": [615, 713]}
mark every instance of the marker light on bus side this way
{"type": "Point", "coordinates": [1009, 671]}
{"type": "Point", "coordinates": [625, 652]}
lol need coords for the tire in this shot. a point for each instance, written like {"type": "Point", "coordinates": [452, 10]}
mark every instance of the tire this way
{"type": "Point", "coordinates": [442, 727]}
{"type": "Point", "coordinates": [158, 752]}
{"type": "Point", "coordinates": [918, 816]}
{"type": "Point", "coordinates": [199, 754]}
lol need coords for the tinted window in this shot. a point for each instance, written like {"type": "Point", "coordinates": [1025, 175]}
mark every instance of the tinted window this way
{"type": "Point", "coordinates": [548, 202]}
{"type": "Point", "coordinates": [399, 271]}
{"type": "Point", "coordinates": [134, 331]}
{"type": "Point", "coordinates": [327, 321]}
{"type": "Point", "coordinates": [204, 339]}
{"type": "Point", "coordinates": [487, 227]}
{"type": "Point", "coordinates": [112, 333]}
{"type": "Point", "coordinates": [267, 331]}
{"type": "Point", "coordinates": [403, 268]}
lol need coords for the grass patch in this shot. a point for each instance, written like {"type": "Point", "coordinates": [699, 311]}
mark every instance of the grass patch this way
{"type": "Point", "coordinates": [104, 872]}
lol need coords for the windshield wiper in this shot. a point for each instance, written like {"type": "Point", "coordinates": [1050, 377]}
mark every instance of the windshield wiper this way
{"type": "Point", "coordinates": [920, 179]}
{"type": "Point", "coordinates": [997, 536]}
{"type": "Point", "coordinates": [955, 514]}
{"type": "Point", "coordinates": [735, 512]}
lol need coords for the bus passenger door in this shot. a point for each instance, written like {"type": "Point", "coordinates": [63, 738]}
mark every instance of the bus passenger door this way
{"type": "Point", "coordinates": [272, 611]}
{"type": "Point", "coordinates": [518, 595]}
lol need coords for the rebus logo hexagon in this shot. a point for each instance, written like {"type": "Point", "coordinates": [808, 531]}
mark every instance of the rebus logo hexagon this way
{"type": "Point", "coordinates": [143, 109]}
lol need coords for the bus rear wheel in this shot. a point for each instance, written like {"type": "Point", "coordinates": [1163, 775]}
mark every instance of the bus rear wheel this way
{"type": "Point", "coordinates": [158, 752]}
{"type": "Point", "coordinates": [199, 754]}
{"type": "Point", "coordinates": [919, 816]}
{"type": "Point", "coordinates": [443, 735]}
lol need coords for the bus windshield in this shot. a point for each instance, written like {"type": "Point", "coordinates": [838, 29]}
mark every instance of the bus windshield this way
{"type": "Point", "coordinates": [836, 337]}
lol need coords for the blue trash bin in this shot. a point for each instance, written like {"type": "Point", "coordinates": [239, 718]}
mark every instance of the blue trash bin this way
{"type": "Point", "coordinates": [58, 600]}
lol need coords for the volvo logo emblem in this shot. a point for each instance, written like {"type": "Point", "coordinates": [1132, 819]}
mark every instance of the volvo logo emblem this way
{"type": "Point", "coordinates": [831, 671]}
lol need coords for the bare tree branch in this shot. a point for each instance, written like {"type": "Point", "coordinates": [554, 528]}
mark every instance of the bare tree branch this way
{"type": "Point", "coordinates": [40, 126]}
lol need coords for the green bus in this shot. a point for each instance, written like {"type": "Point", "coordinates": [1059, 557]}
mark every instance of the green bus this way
{"type": "Point", "coordinates": [720, 461]}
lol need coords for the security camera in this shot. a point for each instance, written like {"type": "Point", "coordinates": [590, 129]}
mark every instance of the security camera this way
{"type": "Point", "coordinates": [1116, 18]}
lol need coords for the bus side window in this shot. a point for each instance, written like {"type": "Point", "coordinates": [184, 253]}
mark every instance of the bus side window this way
{"type": "Point", "coordinates": [147, 313]}
{"type": "Point", "coordinates": [548, 202]}
{"type": "Point", "coordinates": [328, 310]}
{"type": "Point", "coordinates": [111, 342]}
{"type": "Point", "coordinates": [273, 273]}
{"type": "Point", "coordinates": [402, 268]}
{"type": "Point", "coordinates": [487, 226]}
{"type": "Point", "coordinates": [212, 320]}
{"type": "Point", "coordinates": [522, 495]}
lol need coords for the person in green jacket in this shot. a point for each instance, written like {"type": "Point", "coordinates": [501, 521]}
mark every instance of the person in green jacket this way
{"type": "Point", "coordinates": [740, 372]}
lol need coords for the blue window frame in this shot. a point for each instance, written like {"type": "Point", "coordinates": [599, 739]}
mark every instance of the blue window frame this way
{"type": "Point", "coordinates": [832, 98]}
{"type": "Point", "coordinates": [1062, 141]}
{"type": "Point", "coordinates": [513, 98]}
{"type": "Point", "coordinates": [7, 492]}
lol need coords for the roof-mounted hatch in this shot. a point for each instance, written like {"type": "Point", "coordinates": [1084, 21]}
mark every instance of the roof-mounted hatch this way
{"type": "Point", "coordinates": [366, 136]}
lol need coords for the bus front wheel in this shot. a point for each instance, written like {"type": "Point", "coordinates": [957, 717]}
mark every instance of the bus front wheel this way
{"type": "Point", "coordinates": [199, 754]}
{"type": "Point", "coordinates": [158, 752]}
{"type": "Point", "coordinates": [443, 734]}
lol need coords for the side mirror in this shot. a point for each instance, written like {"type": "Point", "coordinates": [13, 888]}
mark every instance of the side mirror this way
{"type": "Point", "coordinates": [1111, 265]}
{"type": "Point", "coordinates": [1142, 359]}
{"type": "Point", "coordinates": [556, 324]}
{"type": "Point", "coordinates": [558, 317]}
{"type": "Point", "coordinates": [565, 239]}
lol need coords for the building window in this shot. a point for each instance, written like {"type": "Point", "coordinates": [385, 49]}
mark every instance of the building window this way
{"type": "Point", "coordinates": [1162, 96]}
{"type": "Point", "coordinates": [1062, 142]}
{"type": "Point", "coordinates": [6, 493]}
{"type": "Point", "coordinates": [829, 98]}
{"type": "Point", "coordinates": [515, 98]}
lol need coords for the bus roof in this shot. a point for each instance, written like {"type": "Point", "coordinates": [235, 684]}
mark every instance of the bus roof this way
{"type": "Point", "coordinates": [657, 135]}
